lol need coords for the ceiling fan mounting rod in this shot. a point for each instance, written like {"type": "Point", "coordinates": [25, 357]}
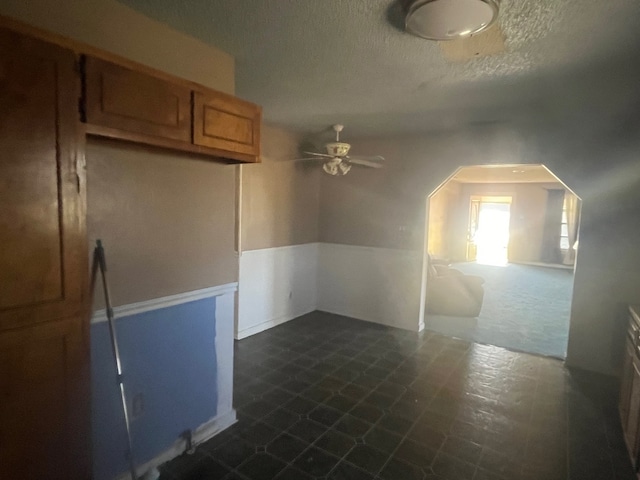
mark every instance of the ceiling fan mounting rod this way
{"type": "Point", "coordinates": [338, 128]}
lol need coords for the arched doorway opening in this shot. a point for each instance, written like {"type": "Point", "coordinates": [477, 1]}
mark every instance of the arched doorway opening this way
{"type": "Point", "coordinates": [500, 244]}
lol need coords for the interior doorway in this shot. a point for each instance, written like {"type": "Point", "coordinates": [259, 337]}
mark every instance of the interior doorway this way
{"type": "Point", "coordinates": [488, 234]}
{"type": "Point", "coordinates": [500, 251]}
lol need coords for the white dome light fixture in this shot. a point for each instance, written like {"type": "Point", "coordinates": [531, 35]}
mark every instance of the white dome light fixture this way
{"type": "Point", "coordinates": [450, 19]}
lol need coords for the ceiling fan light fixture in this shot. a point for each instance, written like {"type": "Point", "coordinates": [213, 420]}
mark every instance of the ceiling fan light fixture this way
{"type": "Point", "coordinates": [344, 168]}
{"type": "Point", "coordinates": [450, 19]}
{"type": "Point", "coordinates": [338, 149]}
{"type": "Point", "coordinates": [330, 168]}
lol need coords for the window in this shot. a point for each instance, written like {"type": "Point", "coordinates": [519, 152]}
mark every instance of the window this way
{"type": "Point", "coordinates": [564, 228]}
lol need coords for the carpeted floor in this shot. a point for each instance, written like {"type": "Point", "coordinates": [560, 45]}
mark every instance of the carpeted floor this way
{"type": "Point", "coordinates": [525, 308]}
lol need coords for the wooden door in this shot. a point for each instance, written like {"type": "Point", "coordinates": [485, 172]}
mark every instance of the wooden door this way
{"type": "Point", "coordinates": [226, 123]}
{"type": "Point", "coordinates": [626, 382]}
{"type": "Point", "coordinates": [135, 102]}
{"type": "Point", "coordinates": [44, 393]}
{"type": "Point", "coordinates": [632, 430]}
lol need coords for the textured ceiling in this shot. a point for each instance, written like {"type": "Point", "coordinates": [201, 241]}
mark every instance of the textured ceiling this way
{"type": "Point", "coordinates": [312, 63]}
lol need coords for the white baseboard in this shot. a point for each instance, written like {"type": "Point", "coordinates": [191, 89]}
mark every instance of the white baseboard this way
{"type": "Point", "coordinates": [355, 315]}
{"type": "Point", "coordinates": [379, 285]}
{"type": "Point", "coordinates": [261, 327]}
{"type": "Point", "coordinates": [203, 433]}
{"type": "Point", "coordinates": [545, 265]}
{"type": "Point", "coordinates": [276, 285]}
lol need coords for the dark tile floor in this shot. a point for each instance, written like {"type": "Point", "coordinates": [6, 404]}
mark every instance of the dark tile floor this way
{"type": "Point", "coordinates": [328, 397]}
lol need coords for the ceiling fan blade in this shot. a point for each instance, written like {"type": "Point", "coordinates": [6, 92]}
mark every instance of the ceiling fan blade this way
{"type": "Point", "coordinates": [364, 163]}
{"type": "Point", "coordinates": [318, 154]}
{"type": "Point", "coordinates": [373, 162]}
{"type": "Point", "coordinates": [311, 158]}
{"type": "Point", "coordinates": [376, 158]}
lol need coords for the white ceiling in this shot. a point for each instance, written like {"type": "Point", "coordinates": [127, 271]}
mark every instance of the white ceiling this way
{"type": "Point", "coordinates": [312, 63]}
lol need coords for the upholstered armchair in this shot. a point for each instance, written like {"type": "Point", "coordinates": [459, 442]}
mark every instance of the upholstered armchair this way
{"type": "Point", "coordinates": [451, 292]}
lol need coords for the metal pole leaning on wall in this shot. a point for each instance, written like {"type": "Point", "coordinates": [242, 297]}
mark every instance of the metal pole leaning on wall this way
{"type": "Point", "coordinates": [99, 257]}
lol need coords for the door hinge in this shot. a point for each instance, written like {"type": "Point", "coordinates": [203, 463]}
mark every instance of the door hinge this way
{"type": "Point", "coordinates": [80, 69]}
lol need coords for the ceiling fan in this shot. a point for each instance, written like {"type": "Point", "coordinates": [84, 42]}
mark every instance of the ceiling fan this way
{"type": "Point", "coordinates": [337, 159]}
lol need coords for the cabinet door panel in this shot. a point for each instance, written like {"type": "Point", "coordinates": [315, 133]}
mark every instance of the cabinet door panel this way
{"type": "Point", "coordinates": [226, 123]}
{"type": "Point", "coordinates": [43, 396]}
{"type": "Point", "coordinates": [42, 267]}
{"type": "Point", "coordinates": [119, 98]}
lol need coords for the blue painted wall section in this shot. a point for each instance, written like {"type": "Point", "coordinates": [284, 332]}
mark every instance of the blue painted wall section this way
{"type": "Point", "coordinates": [168, 356]}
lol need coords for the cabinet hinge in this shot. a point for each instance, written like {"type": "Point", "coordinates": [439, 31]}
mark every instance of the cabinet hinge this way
{"type": "Point", "coordinates": [80, 69]}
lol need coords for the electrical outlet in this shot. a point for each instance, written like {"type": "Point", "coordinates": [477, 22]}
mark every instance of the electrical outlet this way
{"type": "Point", "coordinates": [137, 405]}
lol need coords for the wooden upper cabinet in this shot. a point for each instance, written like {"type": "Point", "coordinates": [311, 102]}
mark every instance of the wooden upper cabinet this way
{"type": "Point", "coordinates": [136, 102]}
{"type": "Point", "coordinates": [226, 123]}
{"type": "Point", "coordinates": [42, 213]}
{"type": "Point", "coordinates": [135, 105]}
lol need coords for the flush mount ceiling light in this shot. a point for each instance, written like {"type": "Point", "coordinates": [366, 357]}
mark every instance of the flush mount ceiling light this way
{"type": "Point", "coordinates": [450, 19]}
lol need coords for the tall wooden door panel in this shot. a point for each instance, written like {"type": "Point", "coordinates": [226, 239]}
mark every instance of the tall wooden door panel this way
{"type": "Point", "coordinates": [226, 123]}
{"type": "Point", "coordinates": [135, 102]}
{"type": "Point", "coordinates": [42, 214]}
{"type": "Point", "coordinates": [44, 395]}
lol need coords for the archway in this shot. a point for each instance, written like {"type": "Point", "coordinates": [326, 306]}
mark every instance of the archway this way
{"type": "Point", "coordinates": [499, 257]}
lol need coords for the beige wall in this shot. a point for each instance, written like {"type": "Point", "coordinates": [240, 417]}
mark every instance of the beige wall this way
{"type": "Point", "coordinates": [372, 207]}
{"type": "Point", "coordinates": [166, 220]}
{"type": "Point", "coordinates": [280, 197]}
{"type": "Point", "coordinates": [442, 210]}
{"type": "Point", "coordinates": [118, 29]}
{"type": "Point", "coordinates": [600, 165]}
{"type": "Point", "coordinates": [526, 230]}
{"type": "Point", "coordinates": [386, 207]}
